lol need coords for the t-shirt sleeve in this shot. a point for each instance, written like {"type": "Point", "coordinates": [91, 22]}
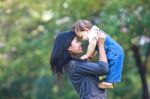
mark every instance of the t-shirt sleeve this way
{"type": "Point", "coordinates": [90, 68]}
{"type": "Point", "coordinates": [92, 36]}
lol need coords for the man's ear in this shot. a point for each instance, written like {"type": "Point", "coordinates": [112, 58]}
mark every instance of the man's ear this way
{"type": "Point", "coordinates": [69, 49]}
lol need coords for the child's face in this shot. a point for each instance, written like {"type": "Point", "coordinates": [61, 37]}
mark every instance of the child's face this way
{"type": "Point", "coordinates": [83, 35]}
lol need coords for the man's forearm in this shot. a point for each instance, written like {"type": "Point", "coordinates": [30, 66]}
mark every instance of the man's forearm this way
{"type": "Point", "coordinates": [102, 54]}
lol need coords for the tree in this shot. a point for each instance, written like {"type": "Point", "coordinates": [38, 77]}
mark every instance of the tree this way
{"type": "Point", "coordinates": [27, 31]}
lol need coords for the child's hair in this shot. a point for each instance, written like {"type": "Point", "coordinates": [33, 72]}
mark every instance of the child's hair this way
{"type": "Point", "coordinates": [81, 25]}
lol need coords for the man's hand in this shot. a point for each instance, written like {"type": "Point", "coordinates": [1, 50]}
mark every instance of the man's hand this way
{"type": "Point", "coordinates": [101, 37]}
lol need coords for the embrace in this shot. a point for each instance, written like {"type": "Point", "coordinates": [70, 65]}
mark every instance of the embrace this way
{"type": "Point", "coordinates": [83, 74]}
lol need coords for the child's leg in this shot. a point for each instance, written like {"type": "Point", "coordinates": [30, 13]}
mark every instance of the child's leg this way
{"type": "Point", "coordinates": [115, 69]}
{"type": "Point", "coordinates": [115, 61]}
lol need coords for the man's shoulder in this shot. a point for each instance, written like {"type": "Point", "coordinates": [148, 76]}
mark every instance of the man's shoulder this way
{"type": "Point", "coordinates": [75, 62]}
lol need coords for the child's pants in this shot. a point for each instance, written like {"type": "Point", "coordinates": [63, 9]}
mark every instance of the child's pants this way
{"type": "Point", "coordinates": [115, 57]}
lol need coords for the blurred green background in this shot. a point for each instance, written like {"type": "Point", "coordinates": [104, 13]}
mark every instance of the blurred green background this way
{"type": "Point", "coordinates": [27, 31]}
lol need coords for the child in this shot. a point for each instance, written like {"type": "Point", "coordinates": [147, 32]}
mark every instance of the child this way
{"type": "Point", "coordinates": [115, 55]}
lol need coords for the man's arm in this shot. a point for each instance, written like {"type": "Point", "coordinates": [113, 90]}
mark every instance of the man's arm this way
{"type": "Point", "coordinates": [102, 53]}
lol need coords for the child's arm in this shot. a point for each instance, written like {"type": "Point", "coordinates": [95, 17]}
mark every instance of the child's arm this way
{"type": "Point", "coordinates": [94, 54]}
{"type": "Point", "coordinates": [90, 50]}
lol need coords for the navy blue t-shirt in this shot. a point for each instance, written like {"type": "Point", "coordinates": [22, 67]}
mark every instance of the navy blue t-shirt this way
{"type": "Point", "coordinates": [84, 77]}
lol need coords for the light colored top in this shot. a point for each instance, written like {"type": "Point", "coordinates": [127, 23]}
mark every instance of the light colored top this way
{"type": "Point", "coordinates": [93, 34]}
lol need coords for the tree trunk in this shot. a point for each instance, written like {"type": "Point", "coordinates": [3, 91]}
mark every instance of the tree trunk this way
{"type": "Point", "coordinates": [142, 71]}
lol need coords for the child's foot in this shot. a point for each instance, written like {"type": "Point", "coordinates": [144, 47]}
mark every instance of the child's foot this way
{"type": "Point", "coordinates": [105, 85]}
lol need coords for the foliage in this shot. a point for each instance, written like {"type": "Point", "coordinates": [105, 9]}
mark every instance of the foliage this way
{"type": "Point", "coordinates": [27, 31]}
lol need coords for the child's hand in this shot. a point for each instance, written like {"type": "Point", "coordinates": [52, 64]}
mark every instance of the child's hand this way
{"type": "Point", "coordinates": [84, 57]}
{"type": "Point", "coordinates": [94, 54]}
